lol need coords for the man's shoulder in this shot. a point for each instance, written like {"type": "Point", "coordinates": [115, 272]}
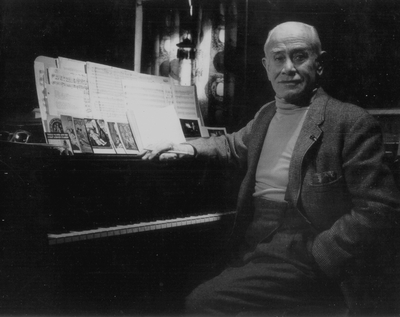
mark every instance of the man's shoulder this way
{"type": "Point", "coordinates": [342, 108]}
{"type": "Point", "coordinates": [270, 106]}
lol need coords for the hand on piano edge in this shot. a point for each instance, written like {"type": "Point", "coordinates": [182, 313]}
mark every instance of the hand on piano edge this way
{"type": "Point", "coordinates": [165, 151]}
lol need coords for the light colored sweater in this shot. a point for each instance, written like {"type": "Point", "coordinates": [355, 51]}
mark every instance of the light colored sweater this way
{"type": "Point", "coordinates": [273, 167]}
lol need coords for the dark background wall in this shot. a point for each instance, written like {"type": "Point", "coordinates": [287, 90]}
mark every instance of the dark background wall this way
{"type": "Point", "coordinates": [90, 30]}
{"type": "Point", "coordinates": [361, 36]}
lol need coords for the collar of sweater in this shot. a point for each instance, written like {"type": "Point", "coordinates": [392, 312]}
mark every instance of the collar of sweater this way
{"type": "Point", "coordinates": [284, 106]}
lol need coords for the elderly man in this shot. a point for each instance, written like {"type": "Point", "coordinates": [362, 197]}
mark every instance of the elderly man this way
{"type": "Point", "coordinates": [316, 196]}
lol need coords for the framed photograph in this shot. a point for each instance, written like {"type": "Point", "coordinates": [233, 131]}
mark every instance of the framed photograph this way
{"type": "Point", "coordinates": [191, 128]}
{"type": "Point", "coordinates": [61, 141]}
{"type": "Point", "coordinates": [82, 136]}
{"type": "Point", "coordinates": [116, 139]}
{"type": "Point", "coordinates": [212, 131]}
{"type": "Point", "coordinates": [127, 138]}
{"type": "Point", "coordinates": [68, 127]}
{"type": "Point", "coordinates": [99, 137]}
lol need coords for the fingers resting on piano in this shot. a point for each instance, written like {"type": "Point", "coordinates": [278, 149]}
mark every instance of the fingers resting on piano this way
{"type": "Point", "coordinates": [168, 151]}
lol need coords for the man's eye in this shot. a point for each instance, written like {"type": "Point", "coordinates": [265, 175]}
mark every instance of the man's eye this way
{"type": "Point", "coordinates": [299, 57]}
{"type": "Point", "coordinates": [279, 58]}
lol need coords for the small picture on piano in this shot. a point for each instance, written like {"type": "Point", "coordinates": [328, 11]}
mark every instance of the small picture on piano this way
{"type": "Point", "coordinates": [82, 135]}
{"type": "Point", "coordinates": [68, 127]}
{"type": "Point", "coordinates": [127, 137]}
{"type": "Point", "coordinates": [116, 138]}
{"type": "Point", "coordinates": [61, 141]}
{"type": "Point", "coordinates": [98, 136]}
{"type": "Point", "coordinates": [216, 131]}
{"type": "Point", "coordinates": [191, 128]}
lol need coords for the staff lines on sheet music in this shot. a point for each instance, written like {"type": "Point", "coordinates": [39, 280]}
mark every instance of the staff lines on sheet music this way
{"type": "Point", "coordinates": [68, 80]}
{"type": "Point", "coordinates": [103, 72]}
{"type": "Point", "coordinates": [110, 97]}
{"type": "Point", "coordinates": [113, 71]}
{"type": "Point", "coordinates": [109, 100]}
{"type": "Point", "coordinates": [183, 103]}
{"type": "Point", "coordinates": [111, 108]}
{"type": "Point", "coordinates": [135, 90]}
{"type": "Point", "coordinates": [186, 94]}
{"type": "Point", "coordinates": [189, 114]}
{"type": "Point", "coordinates": [185, 97]}
{"type": "Point", "coordinates": [113, 89]}
{"type": "Point", "coordinates": [107, 104]}
{"type": "Point", "coordinates": [185, 107]}
{"type": "Point", "coordinates": [146, 96]}
{"type": "Point", "coordinates": [108, 84]}
{"type": "Point", "coordinates": [84, 89]}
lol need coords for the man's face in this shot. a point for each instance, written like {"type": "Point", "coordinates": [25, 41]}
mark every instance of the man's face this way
{"type": "Point", "coordinates": [291, 62]}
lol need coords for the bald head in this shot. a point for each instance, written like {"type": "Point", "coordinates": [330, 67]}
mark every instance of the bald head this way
{"type": "Point", "coordinates": [292, 60]}
{"type": "Point", "coordinates": [294, 30]}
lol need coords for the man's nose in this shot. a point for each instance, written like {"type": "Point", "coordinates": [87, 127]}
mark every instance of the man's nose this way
{"type": "Point", "coordinates": [288, 67]}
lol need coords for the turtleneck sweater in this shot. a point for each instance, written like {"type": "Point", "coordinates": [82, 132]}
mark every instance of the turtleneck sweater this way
{"type": "Point", "coordinates": [272, 174]}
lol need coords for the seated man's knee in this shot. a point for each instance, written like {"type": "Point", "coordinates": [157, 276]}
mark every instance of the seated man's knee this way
{"type": "Point", "coordinates": [199, 300]}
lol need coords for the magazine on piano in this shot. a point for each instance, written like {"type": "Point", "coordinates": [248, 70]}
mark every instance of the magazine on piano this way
{"type": "Point", "coordinates": [105, 109]}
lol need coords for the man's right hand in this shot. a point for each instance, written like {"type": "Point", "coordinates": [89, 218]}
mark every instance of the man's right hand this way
{"type": "Point", "coordinates": [168, 151]}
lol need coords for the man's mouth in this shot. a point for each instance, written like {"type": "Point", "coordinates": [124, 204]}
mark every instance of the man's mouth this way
{"type": "Point", "coordinates": [289, 82]}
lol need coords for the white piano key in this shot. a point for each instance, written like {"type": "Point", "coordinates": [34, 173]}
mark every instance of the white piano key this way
{"type": "Point", "coordinates": [74, 236]}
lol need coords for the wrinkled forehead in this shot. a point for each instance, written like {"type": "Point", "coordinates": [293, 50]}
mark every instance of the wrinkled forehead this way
{"type": "Point", "coordinates": [293, 34]}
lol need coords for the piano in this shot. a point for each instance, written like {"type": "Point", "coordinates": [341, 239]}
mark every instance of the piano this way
{"type": "Point", "coordinates": [80, 219]}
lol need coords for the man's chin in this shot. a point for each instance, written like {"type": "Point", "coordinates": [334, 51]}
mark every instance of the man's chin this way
{"type": "Point", "coordinates": [293, 97]}
{"type": "Point", "coordinates": [296, 97]}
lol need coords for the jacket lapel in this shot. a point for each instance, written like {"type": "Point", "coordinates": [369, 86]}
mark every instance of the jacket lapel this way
{"type": "Point", "coordinates": [260, 128]}
{"type": "Point", "coordinates": [309, 134]}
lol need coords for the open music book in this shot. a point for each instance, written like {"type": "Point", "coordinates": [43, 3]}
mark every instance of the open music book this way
{"type": "Point", "coordinates": [105, 109]}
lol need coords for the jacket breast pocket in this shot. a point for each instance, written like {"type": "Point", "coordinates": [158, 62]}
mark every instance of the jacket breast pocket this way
{"type": "Point", "coordinates": [324, 203]}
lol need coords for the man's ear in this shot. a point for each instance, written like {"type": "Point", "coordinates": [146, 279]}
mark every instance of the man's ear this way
{"type": "Point", "coordinates": [266, 65]}
{"type": "Point", "coordinates": [321, 60]}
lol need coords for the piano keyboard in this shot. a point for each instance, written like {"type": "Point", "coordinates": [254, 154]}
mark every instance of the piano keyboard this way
{"type": "Point", "coordinates": [74, 236]}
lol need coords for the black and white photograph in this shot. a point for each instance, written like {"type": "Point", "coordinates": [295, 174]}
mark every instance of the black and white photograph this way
{"type": "Point", "coordinates": [200, 158]}
{"type": "Point", "coordinates": [82, 136]}
{"type": "Point", "coordinates": [98, 135]}
{"type": "Point", "coordinates": [190, 128]}
{"type": "Point", "coordinates": [68, 127]}
{"type": "Point", "coordinates": [62, 141]}
{"type": "Point", "coordinates": [116, 138]}
{"type": "Point", "coordinates": [127, 137]}
{"type": "Point", "coordinates": [216, 131]}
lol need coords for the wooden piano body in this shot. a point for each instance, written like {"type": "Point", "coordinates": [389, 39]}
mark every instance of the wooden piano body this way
{"type": "Point", "coordinates": [108, 234]}
{"type": "Point", "coordinates": [115, 235]}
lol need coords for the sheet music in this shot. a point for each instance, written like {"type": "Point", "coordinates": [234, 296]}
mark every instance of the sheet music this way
{"type": "Point", "coordinates": [185, 102]}
{"type": "Point", "coordinates": [105, 86]}
{"type": "Point", "coordinates": [152, 125]}
{"type": "Point", "coordinates": [147, 94]}
{"type": "Point", "coordinates": [41, 89]}
{"type": "Point", "coordinates": [68, 93]}
{"type": "Point", "coordinates": [42, 63]}
{"type": "Point", "coordinates": [150, 113]}
{"type": "Point", "coordinates": [91, 91]}
{"type": "Point", "coordinates": [71, 65]}
{"type": "Point", "coordinates": [106, 90]}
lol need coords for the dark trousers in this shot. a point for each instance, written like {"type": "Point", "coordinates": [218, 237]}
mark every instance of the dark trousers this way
{"type": "Point", "coordinates": [276, 274]}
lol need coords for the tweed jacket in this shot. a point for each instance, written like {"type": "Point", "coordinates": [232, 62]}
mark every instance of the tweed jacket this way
{"type": "Point", "coordinates": [349, 211]}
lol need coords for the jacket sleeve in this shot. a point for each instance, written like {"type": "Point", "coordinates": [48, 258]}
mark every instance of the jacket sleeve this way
{"type": "Point", "coordinates": [375, 200]}
{"type": "Point", "coordinates": [230, 148]}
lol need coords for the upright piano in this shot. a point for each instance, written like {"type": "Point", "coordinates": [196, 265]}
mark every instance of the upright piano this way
{"type": "Point", "coordinates": [101, 234]}
{"type": "Point", "coordinates": [112, 234]}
